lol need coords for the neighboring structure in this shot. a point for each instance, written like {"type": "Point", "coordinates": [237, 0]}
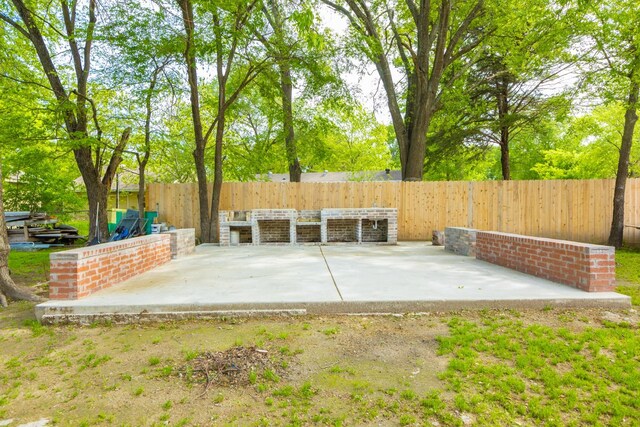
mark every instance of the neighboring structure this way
{"type": "Point", "coordinates": [326, 176]}
{"type": "Point", "coordinates": [124, 190]}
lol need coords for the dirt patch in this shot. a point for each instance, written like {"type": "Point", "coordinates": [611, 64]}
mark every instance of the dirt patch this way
{"type": "Point", "coordinates": [630, 317]}
{"type": "Point", "coordinates": [238, 366]}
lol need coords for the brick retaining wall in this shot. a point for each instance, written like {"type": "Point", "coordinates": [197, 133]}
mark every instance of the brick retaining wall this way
{"type": "Point", "coordinates": [80, 272]}
{"type": "Point", "coordinates": [581, 265]}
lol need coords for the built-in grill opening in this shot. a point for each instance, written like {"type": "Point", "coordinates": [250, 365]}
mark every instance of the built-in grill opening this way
{"type": "Point", "coordinates": [308, 233]}
{"type": "Point", "coordinates": [342, 230]}
{"type": "Point", "coordinates": [274, 231]}
{"type": "Point", "coordinates": [244, 233]}
{"type": "Point", "coordinates": [374, 230]}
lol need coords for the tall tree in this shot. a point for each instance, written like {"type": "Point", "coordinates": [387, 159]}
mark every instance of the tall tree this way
{"type": "Point", "coordinates": [235, 68]}
{"type": "Point", "coordinates": [427, 39]}
{"type": "Point", "coordinates": [613, 28]}
{"type": "Point", "coordinates": [523, 68]}
{"type": "Point", "coordinates": [96, 158]}
{"type": "Point", "coordinates": [280, 45]}
{"type": "Point", "coordinates": [143, 52]}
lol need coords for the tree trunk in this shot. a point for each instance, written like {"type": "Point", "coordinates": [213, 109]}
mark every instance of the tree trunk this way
{"type": "Point", "coordinates": [142, 162]}
{"type": "Point", "coordinates": [203, 196]}
{"type": "Point", "coordinates": [630, 119]}
{"type": "Point", "coordinates": [402, 137]}
{"type": "Point", "coordinates": [97, 187]}
{"type": "Point", "coordinates": [141, 188]}
{"type": "Point", "coordinates": [295, 171]}
{"type": "Point", "coordinates": [504, 154]}
{"type": "Point", "coordinates": [97, 195]}
{"type": "Point", "coordinates": [7, 286]}
{"type": "Point", "coordinates": [217, 175]}
{"type": "Point", "coordinates": [186, 6]}
{"type": "Point", "coordinates": [502, 101]}
{"type": "Point", "coordinates": [417, 153]}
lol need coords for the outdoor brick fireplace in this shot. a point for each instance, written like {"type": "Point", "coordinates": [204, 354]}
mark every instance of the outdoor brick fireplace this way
{"type": "Point", "coordinates": [288, 226]}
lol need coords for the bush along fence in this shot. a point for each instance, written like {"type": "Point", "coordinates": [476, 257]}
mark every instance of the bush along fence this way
{"type": "Point", "coordinates": [78, 273]}
{"type": "Point", "coordinates": [578, 210]}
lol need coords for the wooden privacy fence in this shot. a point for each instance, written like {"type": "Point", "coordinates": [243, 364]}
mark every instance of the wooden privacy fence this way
{"type": "Point", "coordinates": [577, 210]}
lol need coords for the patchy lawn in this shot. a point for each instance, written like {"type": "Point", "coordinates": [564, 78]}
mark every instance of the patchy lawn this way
{"type": "Point", "coordinates": [628, 273]}
{"type": "Point", "coordinates": [32, 269]}
{"type": "Point", "coordinates": [487, 368]}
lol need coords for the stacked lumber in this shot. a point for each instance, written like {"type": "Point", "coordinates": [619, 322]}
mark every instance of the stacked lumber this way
{"type": "Point", "coordinates": [40, 228]}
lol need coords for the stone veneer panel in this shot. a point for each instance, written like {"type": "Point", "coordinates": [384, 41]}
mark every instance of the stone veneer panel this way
{"type": "Point", "coordinates": [343, 230]}
{"type": "Point", "coordinates": [183, 242]}
{"type": "Point", "coordinates": [460, 240]}
{"type": "Point", "coordinates": [271, 217]}
{"type": "Point", "coordinates": [275, 231]}
{"type": "Point", "coordinates": [360, 215]}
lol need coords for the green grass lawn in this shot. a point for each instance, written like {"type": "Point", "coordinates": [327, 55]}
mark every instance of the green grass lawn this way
{"type": "Point", "coordinates": [505, 371]}
{"type": "Point", "coordinates": [82, 226]}
{"type": "Point", "coordinates": [30, 268]}
{"type": "Point", "coordinates": [628, 273]}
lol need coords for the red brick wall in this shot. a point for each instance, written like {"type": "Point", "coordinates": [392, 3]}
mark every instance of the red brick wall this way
{"type": "Point", "coordinates": [581, 265]}
{"type": "Point", "coordinates": [78, 273]}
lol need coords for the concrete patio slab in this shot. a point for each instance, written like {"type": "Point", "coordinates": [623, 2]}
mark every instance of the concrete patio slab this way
{"type": "Point", "coordinates": [268, 280]}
